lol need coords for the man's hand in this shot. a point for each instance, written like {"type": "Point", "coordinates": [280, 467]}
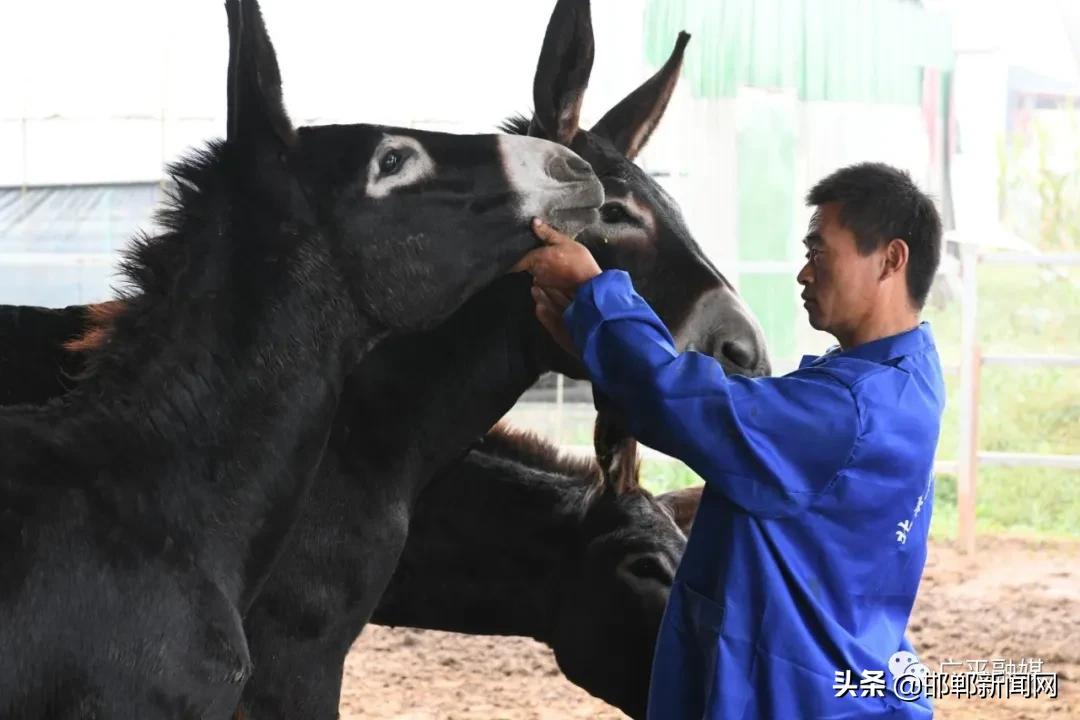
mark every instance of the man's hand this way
{"type": "Point", "coordinates": [550, 306]}
{"type": "Point", "coordinates": [558, 269]}
{"type": "Point", "coordinates": [561, 264]}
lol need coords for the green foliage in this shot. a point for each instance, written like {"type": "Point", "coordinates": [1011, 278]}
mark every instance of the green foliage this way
{"type": "Point", "coordinates": [1014, 501]}
{"type": "Point", "coordinates": [1039, 180]}
{"type": "Point", "coordinates": [1022, 309]}
{"type": "Point", "coordinates": [660, 476]}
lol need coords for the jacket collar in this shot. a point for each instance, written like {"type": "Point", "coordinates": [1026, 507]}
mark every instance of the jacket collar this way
{"type": "Point", "coordinates": [881, 350]}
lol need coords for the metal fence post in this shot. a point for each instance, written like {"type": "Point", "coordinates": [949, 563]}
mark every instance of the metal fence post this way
{"type": "Point", "coordinates": [970, 367]}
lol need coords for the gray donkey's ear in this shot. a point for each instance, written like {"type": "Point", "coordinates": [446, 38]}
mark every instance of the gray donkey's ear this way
{"type": "Point", "coordinates": [631, 122]}
{"type": "Point", "coordinates": [616, 451]}
{"type": "Point", "coordinates": [683, 505]}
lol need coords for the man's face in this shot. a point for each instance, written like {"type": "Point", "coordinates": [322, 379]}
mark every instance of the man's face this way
{"type": "Point", "coordinates": [839, 285]}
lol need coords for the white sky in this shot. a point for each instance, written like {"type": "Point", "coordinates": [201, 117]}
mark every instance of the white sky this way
{"type": "Point", "coordinates": [471, 60]}
{"type": "Point", "coordinates": [84, 84]}
{"type": "Point", "coordinates": [1027, 32]}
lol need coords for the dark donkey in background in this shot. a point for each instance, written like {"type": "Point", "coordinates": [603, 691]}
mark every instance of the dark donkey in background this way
{"type": "Point", "coordinates": [141, 512]}
{"type": "Point", "coordinates": [417, 402]}
{"type": "Point", "coordinates": [517, 540]}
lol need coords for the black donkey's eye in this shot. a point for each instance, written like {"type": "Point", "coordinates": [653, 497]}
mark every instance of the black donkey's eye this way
{"type": "Point", "coordinates": [390, 162]}
{"type": "Point", "coordinates": [613, 213]}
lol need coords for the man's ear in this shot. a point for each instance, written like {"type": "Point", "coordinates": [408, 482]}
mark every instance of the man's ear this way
{"type": "Point", "coordinates": [896, 258]}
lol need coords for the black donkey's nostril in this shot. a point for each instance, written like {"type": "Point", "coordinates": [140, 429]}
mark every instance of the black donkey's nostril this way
{"type": "Point", "coordinates": [739, 354]}
{"type": "Point", "coordinates": [579, 166]}
{"type": "Point", "coordinates": [569, 168]}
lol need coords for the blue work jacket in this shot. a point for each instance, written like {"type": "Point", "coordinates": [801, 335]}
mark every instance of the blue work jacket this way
{"type": "Point", "coordinates": [810, 540]}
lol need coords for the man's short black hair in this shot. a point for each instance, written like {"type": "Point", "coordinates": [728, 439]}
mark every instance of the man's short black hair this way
{"type": "Point", "coordinates": [878, 203]}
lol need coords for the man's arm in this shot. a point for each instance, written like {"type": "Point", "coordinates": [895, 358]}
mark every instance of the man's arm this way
{"type": "Point", "coordinates": [769, 444]}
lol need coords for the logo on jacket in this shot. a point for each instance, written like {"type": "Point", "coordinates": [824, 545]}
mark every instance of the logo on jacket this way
{"type": "Point", "coordinates": [905, 526]}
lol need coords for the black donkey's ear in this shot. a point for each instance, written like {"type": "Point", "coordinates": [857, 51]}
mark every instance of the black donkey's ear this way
{"type": "Point", "coordinates": [256, 114]}
{"type": "Point", "coordinates": [562, 73]}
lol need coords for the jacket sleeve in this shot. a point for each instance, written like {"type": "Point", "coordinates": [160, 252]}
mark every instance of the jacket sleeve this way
{"type": "Point", "coordinates": [770, 445]}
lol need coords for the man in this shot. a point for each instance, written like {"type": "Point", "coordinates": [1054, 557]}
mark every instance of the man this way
{"type": "Point", "coordinates": [810, 540]}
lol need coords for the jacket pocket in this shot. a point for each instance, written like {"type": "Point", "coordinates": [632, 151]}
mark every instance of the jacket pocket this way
{"type": "Point", "coordinates": [701, 613]}
{"type": "Point", "coordinates": [685, 671]}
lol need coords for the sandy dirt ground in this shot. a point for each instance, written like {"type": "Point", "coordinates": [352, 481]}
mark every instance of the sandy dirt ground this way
{"type": "Point", "coordinates": [1017, 599]}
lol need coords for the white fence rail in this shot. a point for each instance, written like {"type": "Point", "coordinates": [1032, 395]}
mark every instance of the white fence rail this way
{"type": "Point", "coordinates": [972, 361]}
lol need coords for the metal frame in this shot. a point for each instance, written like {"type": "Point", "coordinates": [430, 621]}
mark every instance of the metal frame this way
{"type": "Point", "coordinates": [971, 363]}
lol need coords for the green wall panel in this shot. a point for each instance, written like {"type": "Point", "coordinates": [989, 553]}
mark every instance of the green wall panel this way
{"type": "Point", "coordinates": [765, 207]}
{"type": "Point", "coordinates": [845, 50]}
{"type": "Point", "coordinates": [771, 297]}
